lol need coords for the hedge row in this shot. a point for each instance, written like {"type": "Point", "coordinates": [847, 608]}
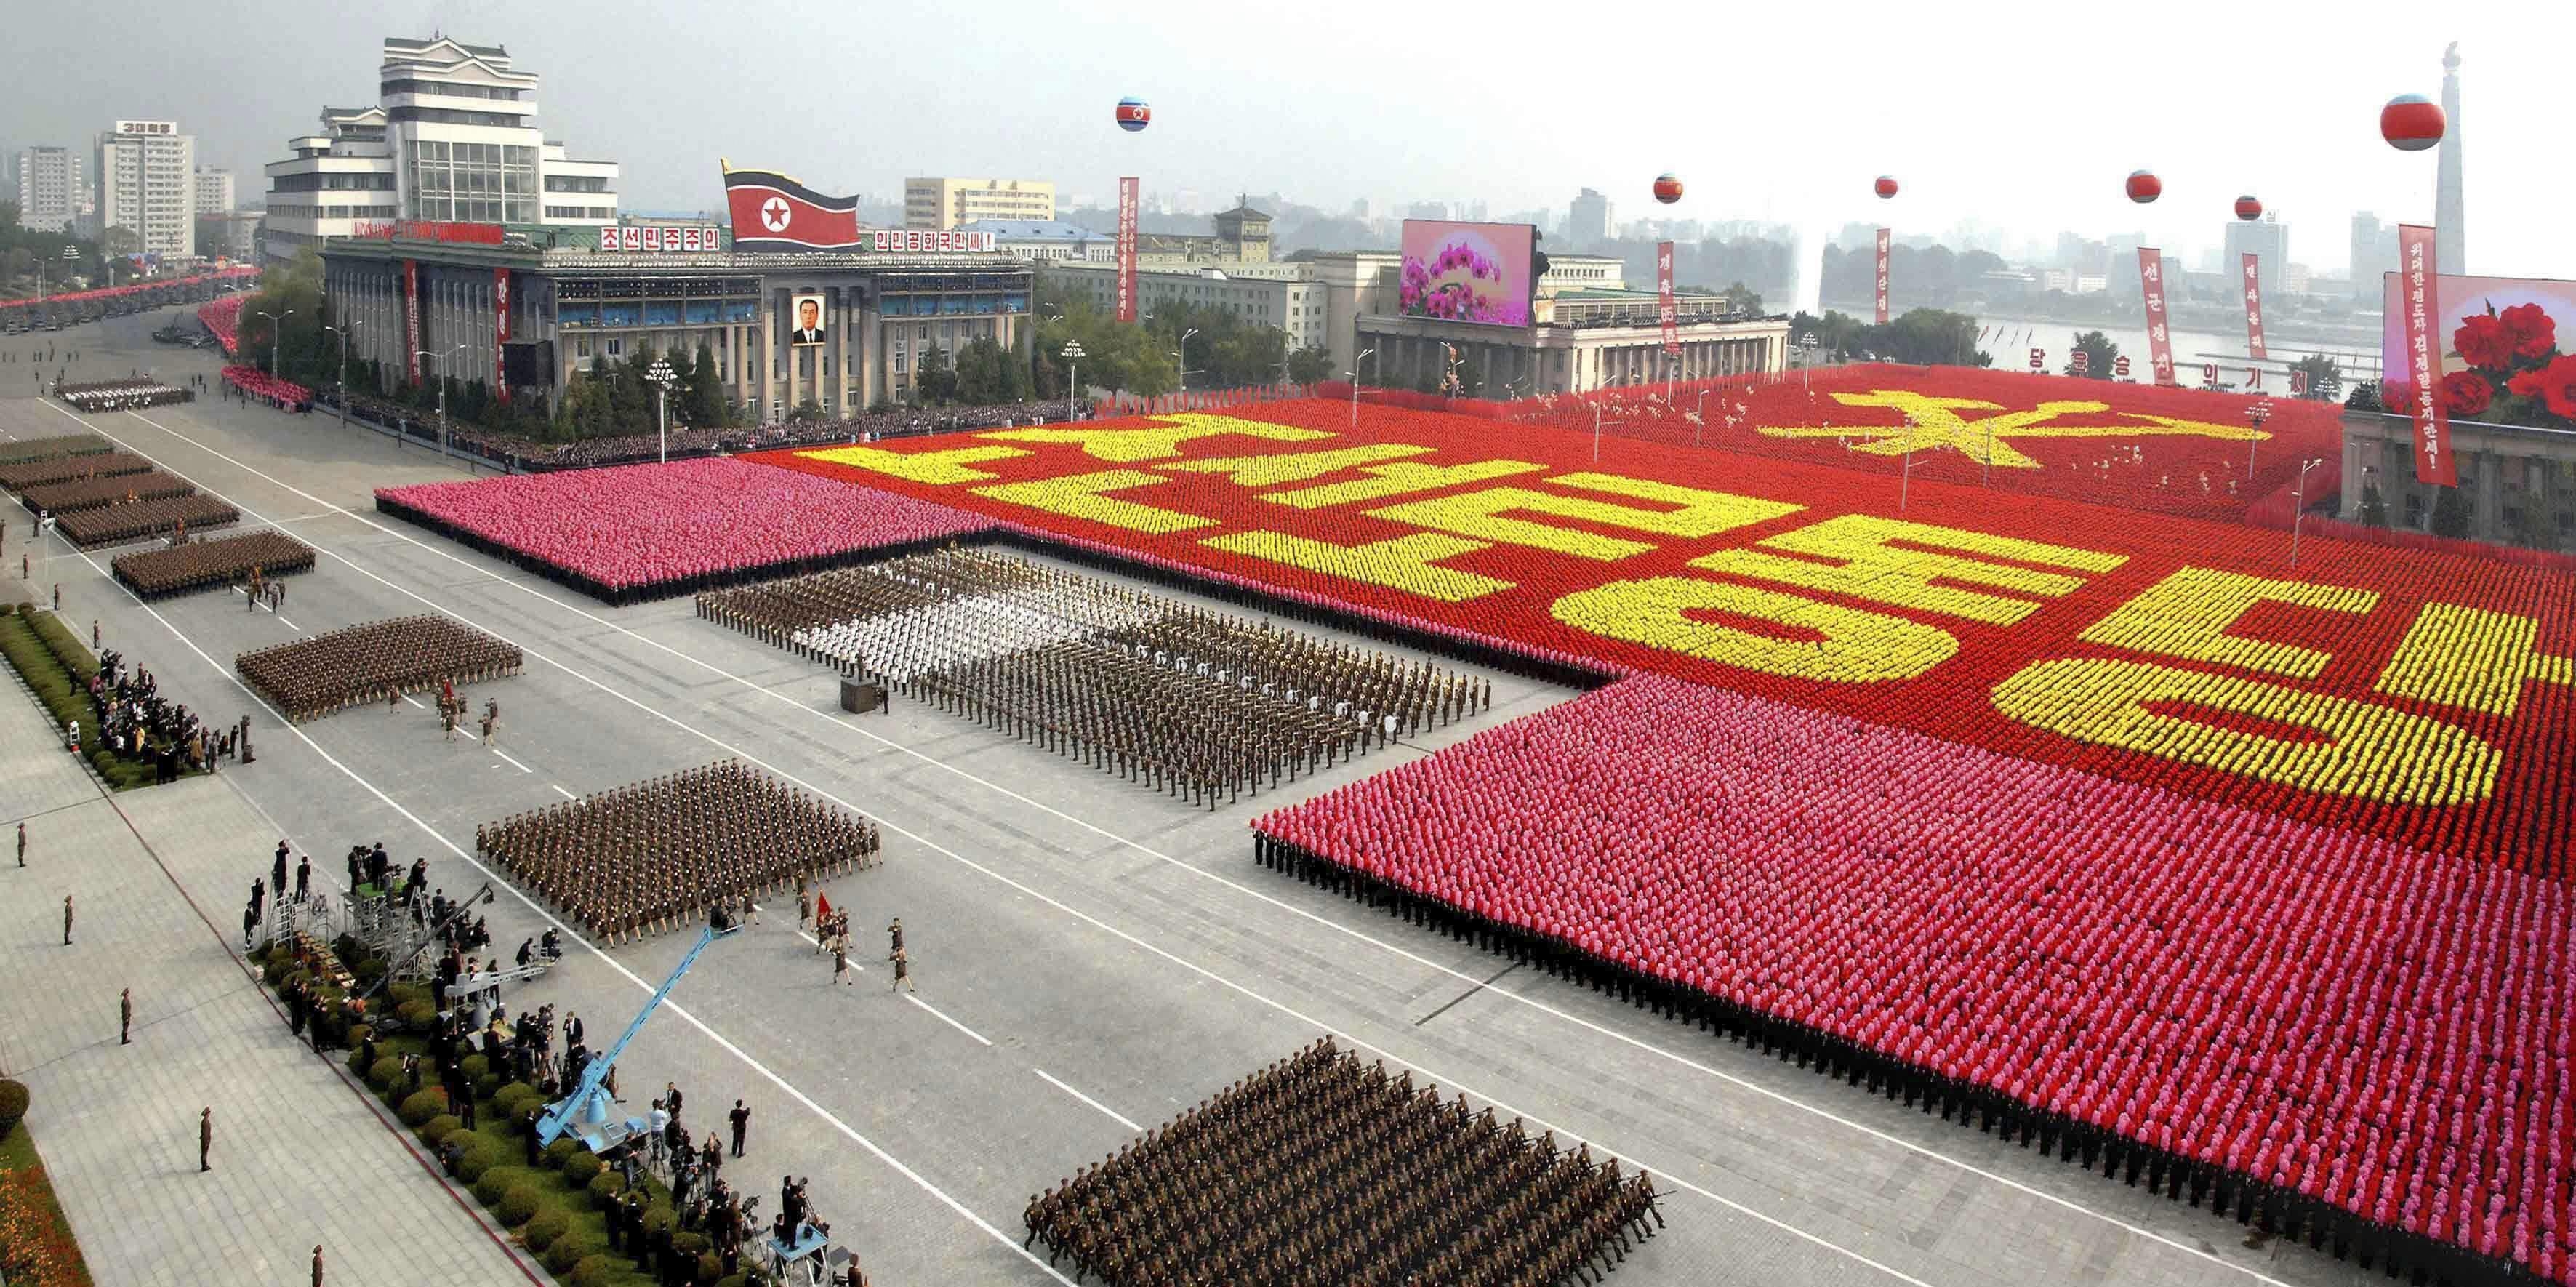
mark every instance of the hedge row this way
{"type": "Point", "coordinates": [58, 668]}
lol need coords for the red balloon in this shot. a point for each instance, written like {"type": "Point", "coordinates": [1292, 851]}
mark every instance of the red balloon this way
{"type": "Point", "coordinates": [1668, 188]}
{"type": "Point", "coordinates": [2412, 123]}
{"type": "Point", "coordinates": [2248, 208]}
{"type": "Point", "coordinates": [1886, 186]}
{"type": "Point", "coordinates": [2144, 186]}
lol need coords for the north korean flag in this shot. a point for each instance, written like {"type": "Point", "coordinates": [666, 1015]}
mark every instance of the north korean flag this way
{"type": "Point", "coordinates": [773, 212]}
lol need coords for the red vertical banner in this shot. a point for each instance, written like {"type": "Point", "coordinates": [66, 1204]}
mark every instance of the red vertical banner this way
{"type": "Point", "coordinates": [500, 332]}
{"type": "Point", "coordinates": [1127, 249]}
{"type": "Point", "coordinates": [1882, 276]}
{"type": "Point", "coordinates": [411, 319]}
{"type": "Point", "coordinates": [2151, 278]}
{"type": "Point", "coordinates": [2253, 310]}
{"type": "Point", "coordinates": [2422, 275]}
{"type": "Point", "coordinates": [1666, 311]}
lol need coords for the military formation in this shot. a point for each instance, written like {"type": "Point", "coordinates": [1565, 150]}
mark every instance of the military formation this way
{"type": "Point", "coordinates": [662, 854]}
{"type": "Point", "coordinates": [198, 565]}
{"type": "Point", "coordinates": [375, 662]}
{"type": "Point", "coordinates": [132, 394]}
{"type": "Point", "coordinates": [1320, 1169]}
{"type": "Point", "coordinates": [1203, 705]}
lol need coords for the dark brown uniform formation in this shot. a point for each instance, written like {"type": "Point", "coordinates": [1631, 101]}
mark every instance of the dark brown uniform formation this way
{"type": "Point", "coordinates": [39, 471]}
{"type": "Point", "coordinates": [27, 450]}
{"type": "Point", "coordinates": [1201, 704]}
{"type": "Point", "coordinates": [660, 854]}
{"type": "Point", "coordinates": [117, 524]}
{"type": "Point", "coordinates": [203, 565]}
{"type": "Point", "coordinates": [372, 662]}
{"type": "Point", "coordinates": [90, 493]}
{"type": "Point", "coordinates": [1321, 1170]}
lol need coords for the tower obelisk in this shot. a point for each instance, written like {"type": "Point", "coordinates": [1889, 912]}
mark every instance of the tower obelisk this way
{"type": "Point", "coordinates": [2450, 226]}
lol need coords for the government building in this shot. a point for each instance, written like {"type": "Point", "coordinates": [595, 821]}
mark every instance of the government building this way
{"type": "Point", "coordinates": [453, 136]}
{"type": "Point", "coordinates": [2519, 481]}
{"type": "Point", "coordinates": [515, 313]}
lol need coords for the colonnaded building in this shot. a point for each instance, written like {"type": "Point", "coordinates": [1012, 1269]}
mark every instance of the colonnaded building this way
{"type": "Point", "coordinates": [475, 303]}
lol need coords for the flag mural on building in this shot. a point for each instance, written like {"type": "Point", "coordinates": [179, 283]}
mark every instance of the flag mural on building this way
{"type": "Point", "coordinates": [2415, 257]}
{"type": "Point", "coordinates": [2253, 310]}
{"type": "Point", "coordinates": [1882, 276]}
{"type": "Point", "coordinates": [1127, 249]}
{"type": "Point", "coordinates": [1665, 309]}
{"type": "Point", "coordinates": [2151, 279]}
{"type": "Point", "coordinates": [773, 212]}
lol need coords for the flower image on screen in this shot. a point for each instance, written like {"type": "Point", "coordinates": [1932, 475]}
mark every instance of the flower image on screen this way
{"type": "Point", "coordinates": [2502, 358]}
{"type": "Point", "coordinates": [1467, 272]}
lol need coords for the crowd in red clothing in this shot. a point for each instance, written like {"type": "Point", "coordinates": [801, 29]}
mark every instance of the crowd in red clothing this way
{"type": "Point", "coordinates": [222, 318]}
{"type": "Point", "coordinates": [645, 531]}
{"type": "Point", "coordinates": [253, 384]}
{"type": "Point", "coordinates": [2336, 1030]}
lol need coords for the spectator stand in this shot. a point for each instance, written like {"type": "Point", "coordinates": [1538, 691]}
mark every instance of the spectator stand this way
{"type": "Point", "coordinates": [805, 1262]}
{"type": "Point", "coordinates": [372, 663]}
{"type": "Point", "coordinates": [195, 565]}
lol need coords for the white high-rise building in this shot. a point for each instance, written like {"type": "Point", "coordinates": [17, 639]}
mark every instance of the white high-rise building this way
{"type": "Point", "coordinates": [453, 138]}
{"type": "Point", "coordinates": [214, 191]}
{"type": "Point", "coordinates": [51, 189]}
{"type": "Point", "coordinates": [147, 183]}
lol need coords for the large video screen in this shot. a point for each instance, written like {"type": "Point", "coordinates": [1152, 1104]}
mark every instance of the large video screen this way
{"type": "Point", "coordinates": [2504, 360]}
{"type": "Point", "coordinates": [1468, 272]}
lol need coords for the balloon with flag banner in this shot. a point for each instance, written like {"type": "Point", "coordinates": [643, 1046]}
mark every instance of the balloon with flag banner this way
{"type": "Point", "coordinates": [1885, 187]}
{"type": "Point", "coordinates": [1133, 114]}
{"type": "Point", "coordinates": [1668, 187]}
{"type": "Point", "coordinates": [2144, 186]}
{"type": "Point", "coordinates": [2412, 123]}
{"type": "Point", "coordinates": [2249, 209]}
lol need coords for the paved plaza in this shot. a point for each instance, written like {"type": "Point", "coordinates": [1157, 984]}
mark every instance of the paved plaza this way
{"type": "Point", "coordinates": [1092, 956]}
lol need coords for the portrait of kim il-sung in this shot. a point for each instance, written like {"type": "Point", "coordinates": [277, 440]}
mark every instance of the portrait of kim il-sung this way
{"type": "Point", "coordinates": [808, 313]}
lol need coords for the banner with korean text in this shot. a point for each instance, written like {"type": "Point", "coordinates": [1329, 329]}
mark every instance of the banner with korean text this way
{"type": "Point", "coordinates": [1882, 276]}
{"type": "Point", "coordinates": [2253, 310]}
{"type": "Point", "coordinates": [2419, 271]}
{"type": "Point", "coordinates": [2151, 278]}
{"type": "Point", "coordinates": [1127, 249]}
{"type": "Point", "coordinates": [1666, 311]}
{"type": "Point", "coordinates": [500, 332]}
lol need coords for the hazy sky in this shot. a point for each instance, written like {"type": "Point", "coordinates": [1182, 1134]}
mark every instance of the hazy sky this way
{"type": "Point", "coordinates": [2022, 115]}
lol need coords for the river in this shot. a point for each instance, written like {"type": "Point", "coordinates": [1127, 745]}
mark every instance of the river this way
{"type": "Point", "coordinates": [2011, 339]}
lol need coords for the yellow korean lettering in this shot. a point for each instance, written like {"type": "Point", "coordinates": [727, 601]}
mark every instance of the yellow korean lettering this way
{"type": "Point", "coordinates": [1405, 563]}
{"type": "Point", "coordinates": [1294, 466]}
{"type": "Point", "coordinates": [1399, 480]}
{"type": "Point", "coordinates": [2330, 744]}
{"type": "Point", "coordinates": [1161, 441]}
{"type": "Point", "coordinates": [2188, 614]}
{"type": "Point", "coordinates": [2472, 659]}
{"type": "Point", "coordinates": [934, 467]}
{"type": "Point", "coordinates": [1086, 496]}
{"type": "Point", "coordinates": [1480, 515]}
{"type": "Point", "coordinates": [1868, 566]}
{"type": "Point", "coordinates": [1822, 641]}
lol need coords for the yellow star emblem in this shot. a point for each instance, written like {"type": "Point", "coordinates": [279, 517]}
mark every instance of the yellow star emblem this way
{"type": "Point", "coordinates": [1933, 423]}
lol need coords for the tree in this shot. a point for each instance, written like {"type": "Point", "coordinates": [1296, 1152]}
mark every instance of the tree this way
{"type": "Point", "coordinates": [2451, 512]}
{"type": "Point", "coordinates": [2325, 377]}
{"type": "Point", "coordinates": [988, 374]}
{"type": "Point", "coordinates": [1742, 298]}
{"type": "Point", "coordinates": [806, 411]}
{"type": "Point", "coordinates": [1309, 364]}
{"type": "Point", "coordinates": [704, 392]}
{"type": "Point", "coordinates": [2374, 507]}
{"type": "Point", "coordinates": [2100, 355]}
{"type": "Point", "coordinates": [934, 382]}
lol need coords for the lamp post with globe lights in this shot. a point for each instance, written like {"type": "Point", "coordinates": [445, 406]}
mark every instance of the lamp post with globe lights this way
{"type": "Point", "coordinates": [2255, 415]}
{"type": "Point", "coordinates": [2299, 507]}
{"type": "Point", "coordinates": [440, 356]}
{"type": "Point", "coordinates": [662, 376]}
{"type": "Point", "coordinates": [1354, 374]}
{"type": "Point", "coordinates": [276, 333]}
{"type": "Point", "coordinates": [1072, 355]}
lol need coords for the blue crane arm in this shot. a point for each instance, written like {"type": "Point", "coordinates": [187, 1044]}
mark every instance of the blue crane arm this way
{"type": "Point", "coordinates": [591, 1089]}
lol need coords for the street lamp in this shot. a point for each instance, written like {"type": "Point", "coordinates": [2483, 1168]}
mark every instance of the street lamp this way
{"type": "Point", "coordinates": [276, 333]}
{"type": "Point", "coordinates": [1181, 357]}
{"type": "Point", "coordinates": [440, 355]}
{"type": "Point", "coordinates": [2299, 507]}
{"type": "Point", "coordinates": [343, 332]}
{"type": "Point", "coordinates": [1072, 355]}
{"type": "Point", "coordinates": [1354, 374]}
{"type": "Point", "coordinates": [661, 375]}
{"type": "Point", "coordinates": [1807, 362]}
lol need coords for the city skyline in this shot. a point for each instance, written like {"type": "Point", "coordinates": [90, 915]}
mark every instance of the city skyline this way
{"type": "Point", "coordinates": [1365, 132]}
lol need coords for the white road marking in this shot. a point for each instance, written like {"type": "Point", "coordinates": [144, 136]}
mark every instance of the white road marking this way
{"type": "Point", "coordinates": [908, 996]}
{"type": "Point", "coordinates": [414, 705]}
{"type": "Point", "coordinates": [561, 792]}
{"type": "Point", "coordinates": [513, 763]}
{"type": "Point", "coordinates": [290, 624]}
{"type": "Point", "coordinates": [502, 882]}
{"type": "Point", "coordinates": [1576, 1020]}
{"type": "Point", "coordinates": [1112, 1113]}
